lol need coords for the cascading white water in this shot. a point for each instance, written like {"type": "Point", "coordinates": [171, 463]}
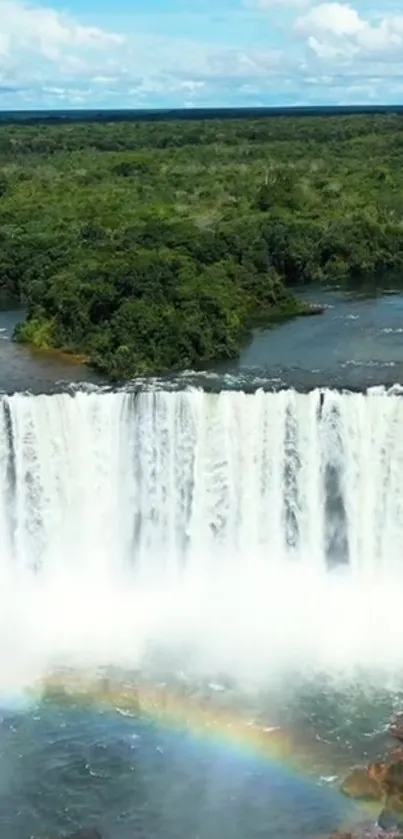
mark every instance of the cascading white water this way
{"type": "Point", "coordinates": [216, 521]}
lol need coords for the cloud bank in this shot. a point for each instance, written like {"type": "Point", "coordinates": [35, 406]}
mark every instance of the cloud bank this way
{"type": "Point", "coordinates": [236, 52]}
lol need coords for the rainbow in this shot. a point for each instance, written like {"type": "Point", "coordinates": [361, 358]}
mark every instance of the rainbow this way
{"type": "Point", "coordinates": [209, 718]}
{"type": "Point", "coordinates": [201, 717]}
{"type": "Point", "coordinates": [206, 719]}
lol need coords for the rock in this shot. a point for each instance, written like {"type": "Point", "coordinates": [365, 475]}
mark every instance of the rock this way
{"type": "Point", "coordinates": [396, 726]}
{"type": "Point", "coordinates": [378, 772]}
{"type": "Point", "coordinates": [389, 776]}
{"type": "Point", "coordinates": [395, 755]}
{"type": "Point", "coordinates": [389, 820]}
{"type": "Point", "coordinates": [367, 830]}
{"type": "Point", "coordinates": [382, 781]}
{"type": "Point", "coordinates": [359, 784]}
{"type": "Point", "coordinates": [317, 308]}
{"type": "Point", "coordinates": [341, 835]}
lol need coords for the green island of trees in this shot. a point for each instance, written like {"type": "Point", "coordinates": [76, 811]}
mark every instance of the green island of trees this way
{"type": "Point", "coordinates": [152, 246]}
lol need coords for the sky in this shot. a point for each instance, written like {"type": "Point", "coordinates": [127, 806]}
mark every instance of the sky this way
{"type": "Point", "coordinates": [198, 53]}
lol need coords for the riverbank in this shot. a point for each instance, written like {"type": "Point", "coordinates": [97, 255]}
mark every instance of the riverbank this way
{"type": "Point", "coordinates": [40, 335]}
{"type": "Point", "coordinates": [25, 368]}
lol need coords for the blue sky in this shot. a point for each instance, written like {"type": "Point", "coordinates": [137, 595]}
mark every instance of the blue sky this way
{"type": "Point", "coordinates": [173, 53]}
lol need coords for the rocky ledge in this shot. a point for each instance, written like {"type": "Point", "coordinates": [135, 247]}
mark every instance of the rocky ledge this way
{"type": "Point", "coordinates": [381, 781]}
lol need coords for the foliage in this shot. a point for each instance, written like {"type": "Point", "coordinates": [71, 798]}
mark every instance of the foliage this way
{"type": "Point", "coordinates": [39, 332]}
{"type": "Point", "coordinates": [149, 246]}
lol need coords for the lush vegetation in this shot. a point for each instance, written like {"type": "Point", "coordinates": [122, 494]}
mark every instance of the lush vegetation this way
{"type": "Point", "coordinates": [152, 245]}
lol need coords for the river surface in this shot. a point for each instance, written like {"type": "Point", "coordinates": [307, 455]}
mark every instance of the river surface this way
{"type": "Point", "coordinates": [355, 343]}
{"type": "Point", "coordinates": [159, 748]}
{"type": "Point", "coordinates": [23, 369]}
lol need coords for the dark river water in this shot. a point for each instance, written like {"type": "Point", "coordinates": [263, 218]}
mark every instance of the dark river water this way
{"type": "Point", "coordinates": [202, 761]}
{"type": "Point", "coordinates": [356, 343]}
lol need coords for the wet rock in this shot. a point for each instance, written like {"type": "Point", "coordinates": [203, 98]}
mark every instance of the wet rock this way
{"type": "Point", "coordinates": [396, 755]}
{"type": "Point", "coordinates": [367, 830]}
{"type": "Point", "coordinates": [360, 785]}
{"type": "Point", "coordinates": [392, 813]}
{"type": "Point", "coordinates": [390, 820]}
{"type": "Point", "coordinates": [316, 308]}
{"type": "Point", "coordinates": [396, 726]}
{"type": "Point", "coordinates": [378, 772]}
{"type": "Point", "coordinates": [389, 775]}
{"type": "Point", "coordinates": [341, 835]}
{"type": "Point", "coordinates": [390, 778]}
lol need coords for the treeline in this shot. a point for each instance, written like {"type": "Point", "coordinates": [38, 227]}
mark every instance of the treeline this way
{"type": "Point", "coordinates": [151, 246]}
{"type": "Point", "coordinates": [132, 136]}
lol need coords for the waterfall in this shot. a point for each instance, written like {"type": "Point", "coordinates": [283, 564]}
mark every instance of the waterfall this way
{"type": "Point", "coordinates": [113, 503]}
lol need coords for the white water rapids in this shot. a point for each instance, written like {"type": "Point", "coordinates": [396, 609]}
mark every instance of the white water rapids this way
{"type": "Point", "coordinates": [241, 533]}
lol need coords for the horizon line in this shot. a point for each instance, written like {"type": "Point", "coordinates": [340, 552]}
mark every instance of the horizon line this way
{"type": "Point", "coordinates": [186, 113]}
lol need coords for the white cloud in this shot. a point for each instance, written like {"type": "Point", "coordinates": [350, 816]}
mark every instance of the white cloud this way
{"type": "Point", "coordinates": [4, 44]}
{"type": "Point", "coordinates": [270, 4]}
{"type": "Point", "coordinates": [191, 86]}
{"type": "Point", "coordinates": [47, 28]}
{"type": "Point", "coordinates": [27, 30]}
{"type": "Point", "coordinates": [336, 29]}
{"type": "Point", "coordinates": [324, 50]}
{"type": "Point", "coordinates": [361, 52]}
{"type": "Point", "coordinates": [42, 47]}
{"type": "Point", "coordinates": [49, 58]}
{"type": "Point", "coordinates": [337, 18]}
{"type": "Point", "coordinates": [385, 36]}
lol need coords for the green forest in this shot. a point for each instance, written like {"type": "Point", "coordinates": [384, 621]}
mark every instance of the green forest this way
{"type": "Point", "coordinates": [153, 246]}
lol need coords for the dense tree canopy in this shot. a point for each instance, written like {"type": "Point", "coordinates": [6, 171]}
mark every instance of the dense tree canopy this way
{"type": "Point", "coordinates": [149, 246]}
